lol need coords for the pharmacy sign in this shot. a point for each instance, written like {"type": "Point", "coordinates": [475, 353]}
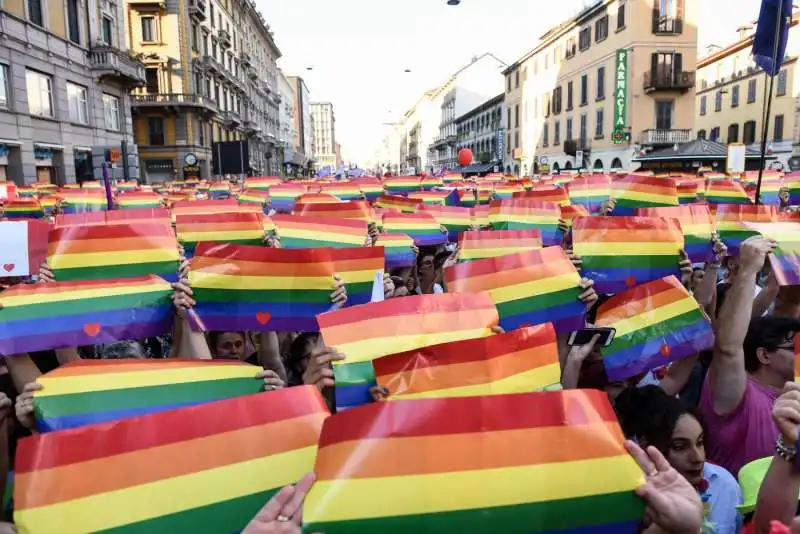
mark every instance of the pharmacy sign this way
{"type": "Point", "coordinates": [620, 96]}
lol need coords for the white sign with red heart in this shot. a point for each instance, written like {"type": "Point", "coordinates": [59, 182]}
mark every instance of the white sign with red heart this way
{"type": "Point", "coordinates": [14, 249]}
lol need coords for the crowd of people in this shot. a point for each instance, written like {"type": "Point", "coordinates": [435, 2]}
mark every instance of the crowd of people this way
{"type": "Point", "coordinates": [716, 435]}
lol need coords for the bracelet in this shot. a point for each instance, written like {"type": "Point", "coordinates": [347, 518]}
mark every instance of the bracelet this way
{"type": "Point", "coordinates": [785, 451]}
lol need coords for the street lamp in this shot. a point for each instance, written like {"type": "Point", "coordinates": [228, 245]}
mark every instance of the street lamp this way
{"type": "Point", "coordinates": [453, 2]}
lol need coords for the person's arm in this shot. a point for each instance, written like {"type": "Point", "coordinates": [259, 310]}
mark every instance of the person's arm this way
{"type": "Point", "coordinates": [269, 354]}
{"type": "Point", "coordinates": [727, 374]}
{"type": "Point", "coordinates": [22, 370]}
{"type": "Point", "coordinates": [69, 354]}
{"type": "Point", "coordinates": [704, 294]}
{"type": "Point", "coordinates": [191, 344]}
{"type": "Point", "coordinates": [571, 368]}
{"type": "Point", "coordinates": [677, 376]}
{"type": "Point", "coordinates": [766, 297]}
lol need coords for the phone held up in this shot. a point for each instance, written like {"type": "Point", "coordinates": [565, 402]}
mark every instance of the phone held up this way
{"type": "Point", "coordinates": [585, 335]}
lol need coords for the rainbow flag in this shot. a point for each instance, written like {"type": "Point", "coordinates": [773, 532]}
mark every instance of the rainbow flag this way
{"type": "Point", "coordinates": [507, 191]}
{"type": "Point", "coordinates": [27, 192]}
{"type": "Point", "coordinates": [82, 200]}
{"type": "Point", "coordinates": [219, 191]}
{"type": "Point", "coordinates": [455, 218]}
{"type": "Point", "coordinates": [657, 323]}
{"type": "Point", "coordinates": [316, 198]}
{"type": "Point", "coordinates": [785, 259]}
{"type": "Point", "coordinates": [370, 189]}
{"type": "Point", "coordinates": [520, 361]}
{"type": "Point", "coordinates": [240, 287]}
{"type": "Point", "coordinates": [432, 198]}
{"type": "Point", "coordinates": [397, 249]}
{"type": "Point", "coordinates": [451, 177]}
{"type": "Point", "coordinates": [71, 314]}
{"type": "Point", "coordinates": [48, 204]}
{"type": "Point", "coordinates": [467, 197]}
{"type": "Point", "coordinates": [528, 288]}
{"type": "Point", "coordinates": [622, 252]}
{"type": "Point", "coordinates": [570, 212]}
{"type": "Point", "coordinates": [254, 196]}
{"type": "Point", "coordinates": [23, 208]}
{"type": "Point", "coordinates": [725, 192]}
{"type": "Point", "coordinates": [422, 227]}
{"type": "Point", "coordinates": [282, 197]}
{"type": "Point", "coordinates": [261, 183]}
{"type": "Point", "coordinates": [342, 190]}
{"type": "Point", "coordinates": [402, 184]}
{"type": "Point", "coordinates": [207, 207]}
{"type": "Point", "coordinates": [126, 186]}
{"type": "Point", "coordinates": [112, 251]}
{"type": "Point", "coordinates": [688, 192]}
{"type": "Point", "coordinates": [792, 183]}
{"type": "Point", "coordinates": [697, 226]}
{"type": "Point", "coordinates": [137, 200]}
{"type": "Point", "coordinates": [480, 216]}
{"type": "Point", "coordinates": [429, 182]}
{"type": "Point", "coordinates": [551, 194]}
{"type": "Point", "coordinates": [523, 214]}
{"type": "Point", "coordinates": [730, 219]}
{"type": "Point", "coordinates": [91, 184]}
{"type": "Point", "coordinates": [87, 392]}
{"type": "Point", "coordinates": [235, 228]}
{"type": "Point", "coordinates": [467, 465]}
{"type": "Point", "coordinates": [360, 269]}
{"type": "Point", "coordinates": [403, 204]}
{"type": "Point", "coordinates": [206, 468]}
{"type": "Point", "coordinates": [357, 210]}
{"type": "Point", "coordinates": [299, 231]}
{"type": "Point", "coordinates": [770, 188]}
{"type": "Point", "coordinates": [590, 191]}
{"type": "Point", "coordinates": [363, 333]}
{"type": "Point", "coordinates": [634, 192]}
{"type": "Point", "coordinates": [481, 244]}
{"type": "Point", "coordinates": [111, 218]}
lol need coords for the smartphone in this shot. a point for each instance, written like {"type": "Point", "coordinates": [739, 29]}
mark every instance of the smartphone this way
{"type": "Point", "coordinates": [584, 336]}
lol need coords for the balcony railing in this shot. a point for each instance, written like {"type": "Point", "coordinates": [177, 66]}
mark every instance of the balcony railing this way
{"type": "Point", "coordinates": [173, 99]}
{"type": "Point", "coordinates": [245, 58]}
{"type": "Point", "coordinates": [197, 9]}
{"type": "Point", "coordinates": [666, 25]}
{"type": "Point", "coordinates": [231, 117]}
{"type": "Point", "coordinates": [664, 137]}
{"type": "Point", "coordinates": [109, 62]}
{"type": "Point", "coordinates": [211, 64]}
{"type": "Point", "coordinates": [668, 80]}
{"type": "Point", "coordinates": [224, 38]}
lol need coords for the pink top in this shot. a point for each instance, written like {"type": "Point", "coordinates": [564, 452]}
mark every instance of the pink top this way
{"type": "Point", "coordinates": [747, 433]}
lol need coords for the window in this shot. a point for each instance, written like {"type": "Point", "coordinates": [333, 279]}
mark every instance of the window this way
{"type": "Point", "coordinates": [547, 106]}
{"type": "Point", "coordinates": [508, 143]}
{"type": "Point", "coordinates": [73, 24]}
{"type": "Point", "coordinates": [599, 126]}
{"type": "Point", "coordinates": [664, 110]}
{"type": "Point", "coordinates": [572, 48]}
{"type": "Point", "coordinates": [35, 13]}
{"type": "Point", "coordinates": [78, 105]}
{"type": "Point", "coordinates": [584, 89]}
{"type": "Point", "coordinates": [508, 83]}
{"type": "Point", "coordinates": [584, 130]}
{"type": "Point", "coordinates": [40, 93]}
{"type": "Point", "coordinates": [701, 134]}
{"type": "Point", "coordinates": [535, 108]}
{"type": "Point", "coordinates": [516, 80]}
{"type": "Point", "coordinates": [516, 116]}
{"type": "Point", "coordinates": [751, 91]}
{"type": "Point", "coordinates": [781, 90]}
{"type": "Point", "coordinates": [3, 86]}
{"type": "Point", "coordinates": [148, 29]}
{"type": "Point", "coordinates": [703, 103]}
{"type": "Point", "coordinates": [735, 97]}
{"type": "Point", "coordinates": [569, 96]}
{"type": "Point", "coordinates": [601, 83]}
{"type": "Point", "coordinates": [601, 29]}
{"type": "Point", "coordinates": [195, 38]}
{"type": "Point", "coordinates": [733, 133]}
{"type": "Point", "coordinates": [155, 130]}
{"type": "Point", "coordinates": [516, 139]}
{"type": "Point", "coordinates": [778, 132]}
{"type": "Point", "coordinates": [151, 80]}
{"type": "Point", "coordinates": [569, 129]}
{"type": "Point", "coordinates": [714, 136]}
{"type": "Point", "coordinates": [557, 100]}
{"type": "Point", "coordinates": [111, 111]}
{"type": "Point", "coordinates": [545, 135]}
{"type": "Point", "coordinates": [621, 16]}
{"type": "Point", "coordinates": [585, 38]}
{"type": "Point", "coordinates": [718, 101]}
{"type": "Point", "coordinates": [211, 13]}
{"type": "Point", "coordinates": [749, 133]}
{"type": "Point", "coordinates": [108, 30]}
{"type": "Point", "coordinates": [668, 16]}
{"type": "Point", "coordinates": [557, 133]}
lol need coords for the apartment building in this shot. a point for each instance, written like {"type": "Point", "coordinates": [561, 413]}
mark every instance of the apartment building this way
{"type": "Point", "coordinates": [481, 130]}
{"type": "Point", "coordinates": [286, 118]}
{"type": "Point", "coordinates": [731, 92]}
{"type": "Point", "coordinates": [211, 76]}
{"type": "Point", "coordinates": [420, 126]}
{"type": "Point", "coordinates": [470, 86]}
{"type": "Point", "coordinates": [303, 141]}
{"type": "Point", "coordinates": [613, 81]}
{"type": "Point", "coordinates": [65, 74]}
{"type": "Point", "coordinates": [324, 135]}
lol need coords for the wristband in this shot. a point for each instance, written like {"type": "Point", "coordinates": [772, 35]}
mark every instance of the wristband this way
{"type": "Point", "coordinates": [786, 451]}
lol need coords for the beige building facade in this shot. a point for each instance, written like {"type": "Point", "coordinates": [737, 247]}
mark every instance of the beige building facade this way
{"type": "Point", "coordinates": [614, 81]}
{"type": "Point", "coordinates": [325, 154]}
{"type": "Point", "coordinates": [730, 97]}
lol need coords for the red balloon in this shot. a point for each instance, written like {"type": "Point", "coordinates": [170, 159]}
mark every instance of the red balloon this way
{"type": "Point", "coordinates": [464, 157]}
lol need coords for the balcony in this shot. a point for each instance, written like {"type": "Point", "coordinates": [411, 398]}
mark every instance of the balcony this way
{"type": "Point", "coordinates": [197, 10]}
{"type": "Point", "coordinates": [250, 126]}
{"type": "Point", "coordinates": [173, 100]}
{"type": "Point", "coordinates": [160, 3]}
{"type": "Point", "coordinates": [666, 25]}
{"type": "Point", "coordinates": [230, 119]}
{"type": "Point", "coordinates": [252, 73]}
{"type": "Point", "coordinates": [668, 80]}
{"type": "Point", "coordinates": [664, 137]}
{"type": "Point", "coordinates": [211, 64]}
{"type": "Point", "coordinates": [245, 59]}
{"type": "Point", "coordinates": [224, 38]}
{"type": "Point", "coordinates": [109, 62]}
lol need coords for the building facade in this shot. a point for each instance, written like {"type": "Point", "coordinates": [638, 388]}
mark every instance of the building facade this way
{"type": "Point", "coordinates": [286, 121]}
{"type": "Point", "coordinates": [211, 76]}
{"type": "Point", "coordinates": [324, 135]}
{"type": "Point", "coordinates": [481, 130]}
{"type": "Point", "coordinates": [420, 126]}
{"type": "Point", "coordinates": [614, 81]}
{"type": "Point", "coordinates": [65, 75]}
{"type": "Point", "coordinates": [731, 93]}
{"type": "Point", "coordinates": [303, 142]}
{"type": "Point", "coordinates": [467, 88]}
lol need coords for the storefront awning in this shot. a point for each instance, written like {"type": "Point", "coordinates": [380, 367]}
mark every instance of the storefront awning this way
{"type": "Point", "coordinates": [48, 146]}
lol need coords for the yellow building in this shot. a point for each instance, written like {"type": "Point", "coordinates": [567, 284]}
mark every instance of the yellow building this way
{"type": "Point", "coordinates": [615, 80]}
{"type": "Point", "coordinates": [731, 92]}
{"type": "Point", "coordinates": [211, 76]}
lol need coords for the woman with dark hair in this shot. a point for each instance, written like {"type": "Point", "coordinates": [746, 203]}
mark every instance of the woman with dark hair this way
{"type": "Point", "coordinates": [650, 417]}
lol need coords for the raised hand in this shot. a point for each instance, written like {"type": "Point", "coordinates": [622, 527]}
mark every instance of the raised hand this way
{"type": "Point", "coordinates": [319, 371]}
{"type": "Point", "coordinates": [283, 513]}
{"type": "Point", "coordinates": [24, 406]}
{"type": "Point", "coordinates": [339, 294]}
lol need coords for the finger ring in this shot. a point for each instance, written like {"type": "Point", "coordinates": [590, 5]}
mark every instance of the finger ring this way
{"type": "Point", "coordinates": [653, 473]}
{"type": "Point", "coordinates": [282, 519]}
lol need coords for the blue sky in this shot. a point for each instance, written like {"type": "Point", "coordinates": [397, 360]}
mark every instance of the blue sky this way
{"type": "Point", "coordinates": [359, 49]}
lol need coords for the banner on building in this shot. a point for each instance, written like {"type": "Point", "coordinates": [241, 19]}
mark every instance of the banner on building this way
{"type": "Point", "coordinates": [499, 144]}
{"type": "Point", "coordinates": [620, 97]}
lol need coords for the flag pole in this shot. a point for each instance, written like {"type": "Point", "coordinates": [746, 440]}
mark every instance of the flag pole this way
{"type": "Point", "coordinates": [768, 103]}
